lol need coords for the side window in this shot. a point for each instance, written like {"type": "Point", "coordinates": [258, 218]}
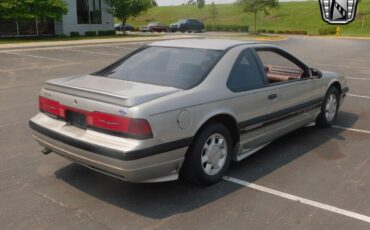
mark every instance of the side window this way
{"type": "Point", "coordinates": [246, 74]}
{"type": "Point", "coordinates": [279, 68]}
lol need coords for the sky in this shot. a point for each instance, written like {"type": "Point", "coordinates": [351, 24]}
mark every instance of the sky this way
{"type": "Point", "coordinates": [178, 2]}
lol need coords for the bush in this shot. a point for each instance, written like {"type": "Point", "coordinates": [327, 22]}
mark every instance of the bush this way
{"type": "Point", "coordinates": [279, 32]}
{"type": "Point", "coordinates": [300, 32]}
{"type": "Point", "coordinates": [106, 32]}
{"type": "Point", "coordinates": [230, 28]}
{"type": "Point", "coordinates": [74, 34]}
{"type": "Point", "coordinates": [327, 31]}
{"type": "Point", "coordinates": [90, 33]}
{"type": "Point", "coordinates": [61, 36]}
{"type": "Point", "coordinates": [271, 31]}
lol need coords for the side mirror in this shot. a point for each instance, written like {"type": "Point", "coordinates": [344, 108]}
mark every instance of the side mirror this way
{"type": "Point", "coordinates": [315, 73]}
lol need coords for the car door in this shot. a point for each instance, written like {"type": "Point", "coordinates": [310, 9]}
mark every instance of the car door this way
{"type": "Point", "coordinates": [190, 24]}
{"type": "Point", "coordinates": [249, 102]}
{"type": "Point", "coordinates": [294, 97]}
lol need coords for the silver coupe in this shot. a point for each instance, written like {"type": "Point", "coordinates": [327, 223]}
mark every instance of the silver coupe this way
{"type": "Point", "coordinates": [183, 108]}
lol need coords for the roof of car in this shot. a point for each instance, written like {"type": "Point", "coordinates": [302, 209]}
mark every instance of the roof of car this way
{"type": "Point", "coordinates": [216, 44]}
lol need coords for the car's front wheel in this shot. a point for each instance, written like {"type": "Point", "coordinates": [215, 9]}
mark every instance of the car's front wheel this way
{"type": "Point", "coordinates": [208, 158]}
{"type": "Point", "coordinates": [329, 108]}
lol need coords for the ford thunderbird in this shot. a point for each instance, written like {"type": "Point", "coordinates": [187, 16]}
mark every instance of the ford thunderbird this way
{"type": "Point", "coordinates": [183, 108]}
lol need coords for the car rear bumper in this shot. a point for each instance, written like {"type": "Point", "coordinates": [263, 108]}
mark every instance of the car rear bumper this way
{"type": "Point", "coordinates": [155, 164]}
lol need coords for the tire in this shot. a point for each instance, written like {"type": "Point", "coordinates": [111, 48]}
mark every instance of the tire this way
{"type": "Point", "coordinates": [329, 109]}
{"type": "Point", "coordinates": [199, 168]}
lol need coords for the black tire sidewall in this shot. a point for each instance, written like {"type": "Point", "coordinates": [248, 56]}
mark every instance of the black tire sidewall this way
{"type": "Point", "coordinates": [322, 121]}
{"type": "Point", "coordinates": [193, 169]}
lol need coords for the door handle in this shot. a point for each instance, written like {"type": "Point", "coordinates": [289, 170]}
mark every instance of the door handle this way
{"type": "Point", "coordinates": [272, 96]}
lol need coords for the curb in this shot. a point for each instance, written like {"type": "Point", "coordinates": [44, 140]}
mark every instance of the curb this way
{"type": "Point", "coordinates": [277, 38]}
{"type": "Point", "coordinates": [338, 37]}
{"type": "Point", "coordinates": [348, 37]}
{"type": "Point", "coordinates": [51, 44]}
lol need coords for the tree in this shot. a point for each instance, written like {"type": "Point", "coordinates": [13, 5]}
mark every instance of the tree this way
{"type": "Point", "coordinates": [44, 9]}
{"type": "Point", "coordinates": [213, 11]}
{"type": "Point", "coordinates": [125, 9]}
{"type": "Point", "coordinates": [201, 4]}
{"type": "Point", "coordinates": [32, 10]}
{"type": "Point", "coordinates": [253, 6]}
{"type": "Point", "coordinates": [154, 3]}
{"type": "Point", "coordinates": [191, 3]}
{"type": "Point", "coordinates": [12, 9]}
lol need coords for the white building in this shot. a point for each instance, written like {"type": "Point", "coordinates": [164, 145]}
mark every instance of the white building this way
{"type": "Point", "coordinates": [85, 15]}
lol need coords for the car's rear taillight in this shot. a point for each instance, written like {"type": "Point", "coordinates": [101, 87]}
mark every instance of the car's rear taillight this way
{"type": "Point", "coordinates": [52, 107]}
{"type": "Point", "coordinates": [131, 127]}
{"type": "Point", "coordinates": [104, 122]}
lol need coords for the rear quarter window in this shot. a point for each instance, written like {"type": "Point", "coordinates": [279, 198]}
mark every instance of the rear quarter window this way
{"type": "Point", "coordinates": [246, 73]}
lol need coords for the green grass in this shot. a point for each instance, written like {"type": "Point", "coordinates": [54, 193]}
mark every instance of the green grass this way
{"type": "Point", "coordinates": [289, 16]}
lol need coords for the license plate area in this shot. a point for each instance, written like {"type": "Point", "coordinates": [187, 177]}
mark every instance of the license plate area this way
{"type": "Point", "coordinates": [76, 119]}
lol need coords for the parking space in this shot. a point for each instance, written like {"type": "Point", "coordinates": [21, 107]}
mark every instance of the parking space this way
{"type": "Point", "coordinates": [310, 179]}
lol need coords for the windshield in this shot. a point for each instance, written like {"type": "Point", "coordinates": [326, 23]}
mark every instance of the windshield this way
{"type": "Point", "coordinates": [175, 67]}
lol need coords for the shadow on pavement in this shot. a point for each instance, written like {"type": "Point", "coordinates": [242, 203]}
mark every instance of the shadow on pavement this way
{"type": "Point", "coordinates": [162, 200]}
{"type": "Point", "coordinates": [292, 146]}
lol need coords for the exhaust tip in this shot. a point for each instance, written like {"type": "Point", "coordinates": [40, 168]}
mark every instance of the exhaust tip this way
{"type": "Point", "coordinates": [46, 151]}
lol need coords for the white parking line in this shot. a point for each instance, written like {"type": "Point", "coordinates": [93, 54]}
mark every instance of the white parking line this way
{"type": "Point", "coordinates": [91, 52]}
{"type": "Point", "coordinates": [122, 47]}
{"type": "Point", "coordinates": [302, 200]}
{"type": "Point", "coordinates": [360, 96]}
{"type": "Point", "coordinates": [359, 78]}
{"type": "Point", "coordinates": [33, 56]}
{"type": "Point", "coordinates": [342, 66]}
{"type": "Point", "coordinates": [351, 129]}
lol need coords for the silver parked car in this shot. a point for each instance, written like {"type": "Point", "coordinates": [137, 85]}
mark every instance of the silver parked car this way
{"type": "Point", "coordinates": [183, 107]}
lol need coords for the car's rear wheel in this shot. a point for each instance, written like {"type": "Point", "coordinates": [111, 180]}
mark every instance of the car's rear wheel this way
{"type": "Point", "coordinates": [329, 109]}
{"type": "Point", "coordinates": [208, 158]}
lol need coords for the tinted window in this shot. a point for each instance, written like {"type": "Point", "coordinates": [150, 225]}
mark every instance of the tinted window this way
{"type": "Point", "coordinates": [279, 68]}
{"type": "Point", "coordinates": [89, 12]}
{"type": "Point", "coordinates": [176, 67]}
{"type": "Point", "coordinates": [246, 74]}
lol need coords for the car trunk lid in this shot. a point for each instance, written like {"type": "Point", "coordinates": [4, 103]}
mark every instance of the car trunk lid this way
{"type": "Point", "coordinates": [109, 90]}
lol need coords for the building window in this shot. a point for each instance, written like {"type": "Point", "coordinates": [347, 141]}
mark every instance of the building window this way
{"type": "Point", "coordinates": [89, 12]}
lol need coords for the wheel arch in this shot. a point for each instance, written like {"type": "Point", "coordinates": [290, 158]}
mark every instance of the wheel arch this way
{"type": "Point", "coordinates": [337, 85]}
{"type": "Point", "coordinates": [226, 119]}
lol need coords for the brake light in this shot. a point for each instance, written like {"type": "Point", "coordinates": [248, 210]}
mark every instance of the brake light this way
{"type": "Point", "coordinates": [109, 123]}
{"type": "Point", "coordinates": [52, 107]}
{"type": "Point", "coordinates": [132, 127]}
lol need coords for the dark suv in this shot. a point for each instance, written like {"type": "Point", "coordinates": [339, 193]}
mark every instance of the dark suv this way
{"type": "Point", "coordinates": [187, 25]}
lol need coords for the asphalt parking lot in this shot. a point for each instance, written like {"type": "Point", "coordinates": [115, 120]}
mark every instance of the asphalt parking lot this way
{"type": "Point", "coordinates": [310, 179]}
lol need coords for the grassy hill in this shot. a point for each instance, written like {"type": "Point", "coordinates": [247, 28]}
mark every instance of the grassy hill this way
{"type": "Point", "coordinates": [289, 16]}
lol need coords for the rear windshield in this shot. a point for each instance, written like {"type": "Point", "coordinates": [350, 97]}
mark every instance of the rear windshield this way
{"type": "Point", "coordinates": [175, 67]}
